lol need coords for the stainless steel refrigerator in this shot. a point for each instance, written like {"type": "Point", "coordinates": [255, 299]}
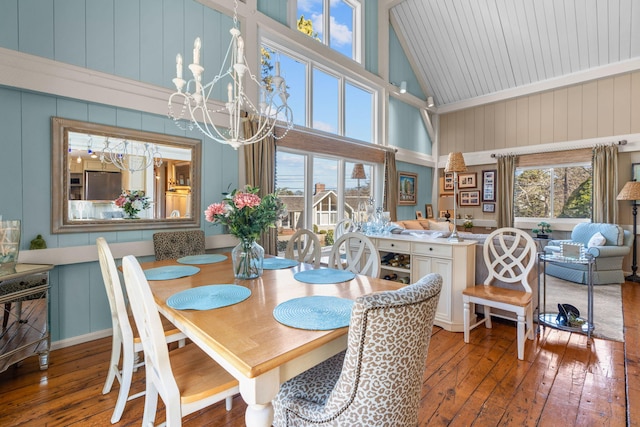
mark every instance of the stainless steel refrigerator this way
{"type": "Point", "coordinates": [102, 185]}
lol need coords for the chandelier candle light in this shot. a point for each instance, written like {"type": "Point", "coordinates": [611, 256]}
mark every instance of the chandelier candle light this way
{"type": "Point", "coordinates": [194, 109]}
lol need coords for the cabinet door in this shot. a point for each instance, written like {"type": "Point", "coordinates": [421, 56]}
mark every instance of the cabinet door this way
{"type": "Point", "coordinates": [425, 265]}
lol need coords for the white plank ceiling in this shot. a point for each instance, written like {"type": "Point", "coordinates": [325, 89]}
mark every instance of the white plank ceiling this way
{"type": "Point", "coordinates": [464, 49]}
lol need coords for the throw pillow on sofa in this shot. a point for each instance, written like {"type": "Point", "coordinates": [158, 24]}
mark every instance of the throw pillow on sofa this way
{"type": "Point", "coordinates": [439, 226]}
{"type": "Point", "coordinates": [596, 240]}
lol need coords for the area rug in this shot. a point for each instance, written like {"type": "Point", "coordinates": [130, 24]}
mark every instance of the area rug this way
{"type": "Point", "coordinates": [607, 305]}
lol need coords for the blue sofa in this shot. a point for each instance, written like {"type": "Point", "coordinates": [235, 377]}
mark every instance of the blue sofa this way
{"type": "Point", "coordinates": [608, 257]}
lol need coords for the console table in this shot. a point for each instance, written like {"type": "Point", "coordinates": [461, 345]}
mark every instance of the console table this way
{"type": "Point", "coordinates": [25, 330]}
{"type": "Point", "coordinates": [419, 256]}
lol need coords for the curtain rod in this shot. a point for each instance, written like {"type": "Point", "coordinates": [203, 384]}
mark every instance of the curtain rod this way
{"type": "Point", "coordinates": [622, 142]}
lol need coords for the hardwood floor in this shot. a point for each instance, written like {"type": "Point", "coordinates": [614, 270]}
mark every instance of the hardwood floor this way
{"type": "Point", "coordinates": [562, 381]}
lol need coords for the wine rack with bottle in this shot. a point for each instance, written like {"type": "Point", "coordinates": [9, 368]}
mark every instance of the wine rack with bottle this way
{"type": "Point", "coordinates": [395, 260]}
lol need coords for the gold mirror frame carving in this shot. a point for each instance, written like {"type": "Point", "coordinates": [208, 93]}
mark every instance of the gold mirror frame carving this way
{"type": "Point", "coordinates": [60, 182]}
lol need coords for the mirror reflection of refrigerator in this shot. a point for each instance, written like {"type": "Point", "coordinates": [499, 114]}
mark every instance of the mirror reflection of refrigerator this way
{"type": "Point", "coordinates": [101, 185]}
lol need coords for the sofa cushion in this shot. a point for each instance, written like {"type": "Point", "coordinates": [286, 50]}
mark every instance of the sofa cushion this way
{"type": "Point", "coordinates": [596, 240]}
{"type": "Point", "coordinates": [439, 226]}
{"type": "Point", "coordinates": [612, 232]}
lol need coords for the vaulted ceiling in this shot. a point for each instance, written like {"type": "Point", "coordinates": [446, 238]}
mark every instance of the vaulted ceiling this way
{"type": "Point", "coordinates": [463, 49]}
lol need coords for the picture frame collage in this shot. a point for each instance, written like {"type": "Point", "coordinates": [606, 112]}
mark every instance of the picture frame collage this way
{"type": "Point", "coordinates": [472, 194]}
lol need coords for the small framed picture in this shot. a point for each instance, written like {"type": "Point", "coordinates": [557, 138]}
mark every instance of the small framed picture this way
{"type": "Point", "coordinates": [418, 214]}
{"type": "Point", "coordinates": [470, 198]}
{"type": "Point", "coordinates": [468, 180]}
{"type": "Point", "coordinates": [489, 207]}
{"type": "Point", "coordinates": [407, 188]}
{"type": "Point", "coordinates": [448, 181]}
{"type": "Point", "coordinates": [489, 185]}
{"type": "Point", "coordinates": [571, 250]}
{"type": "Point", "coordinates": [429, 210]}
{"type": "Point", "coordinates": [443, 214]}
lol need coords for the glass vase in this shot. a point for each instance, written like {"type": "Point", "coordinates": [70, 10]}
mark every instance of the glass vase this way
{"type": "Point", "coordinates": [247, 259]}
{"type": "Point", "coordinates": [9, 244]}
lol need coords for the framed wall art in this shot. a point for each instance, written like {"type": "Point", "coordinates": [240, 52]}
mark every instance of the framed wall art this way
{"type": "Point", "coordinates": [489, 185]}
{"type": "Point", "coordinates": [470, 198]}
{"type": "Point", "coordinates": [448, 181]}
{"type": "Point", "coordinates": [407, 188]}
{"type": "Point", "coordinates": [489, 207]}
{"type": "Point", "coordinates": [429, 210]}
{"type": "Point", "coordinates": [468, 180]}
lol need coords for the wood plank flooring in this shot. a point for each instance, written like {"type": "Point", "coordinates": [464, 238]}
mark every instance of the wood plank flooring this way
{"type": "Point", "coordinates": [562, 381]}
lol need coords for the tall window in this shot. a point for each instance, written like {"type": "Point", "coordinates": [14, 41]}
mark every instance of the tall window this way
{"type": "Point", "coordinates": [336, 188]}
{"type": "Point", "coordinates": [553, 192]}
{"type": "Point", "coordinates": [335, 23]}
{"type": "Point", "coordinates": [321, 99]}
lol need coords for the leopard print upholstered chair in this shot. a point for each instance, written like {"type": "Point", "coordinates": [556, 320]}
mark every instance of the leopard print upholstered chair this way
{"type": "Point", "coordinates": [377, 381]}
{"type": "Point", "coordinates": [177, 244]}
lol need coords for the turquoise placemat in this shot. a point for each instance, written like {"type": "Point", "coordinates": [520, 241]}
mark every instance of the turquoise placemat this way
{"type": "Point", "coordinates": [202, 259]}
{"type": "Point", "coordinates": [316, 313]}
{"type": "Point", "coordinates": [208, 297]}
{"type": "Point", "coordinates": [170, 272]}
{"type": "Point", "coordinates": [324, 276]}
{"type": "Point", "coordinates": [278, 263]}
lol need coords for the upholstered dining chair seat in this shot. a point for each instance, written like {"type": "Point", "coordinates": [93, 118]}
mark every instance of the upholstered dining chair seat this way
{"type": "Point", "coordinates": [377, 381]}
{"type": "Point", "coordinates": [178, 244]}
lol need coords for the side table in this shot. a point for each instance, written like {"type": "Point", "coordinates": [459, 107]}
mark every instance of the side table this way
{"type": "Point", "coordinates": [25, 332]}
{"type": "Point", "coordinates": [550, 318]}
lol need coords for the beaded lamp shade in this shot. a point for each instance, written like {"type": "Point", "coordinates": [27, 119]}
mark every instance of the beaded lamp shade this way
{"type": "Point", "coordinates": [455, 163]}
{"type": "Point", "coordinates": [358, 172]}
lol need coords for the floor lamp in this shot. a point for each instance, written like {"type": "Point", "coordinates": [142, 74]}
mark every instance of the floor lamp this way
{"type": "Point", "coordinates": [631, 191]}
{"type": "Point", "coordinates": [455, 164]}
{"type": "Point", "coordinates": [358, 173]}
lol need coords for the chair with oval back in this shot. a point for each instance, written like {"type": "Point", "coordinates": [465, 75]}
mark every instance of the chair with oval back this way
{"type": "Point", "coordinates": [125, 338]}
{"type": "Point", "coordinates": [377, 381]}
{"type": "Point", "coordinates": [304, 246]}
{"type": "Point", "coordinates": [510, 255]}
{"type": "Point", "coordinates": [177, 244]}
{"type": "Point", "coordinates": [357, 253]}
{"type": "Point", "coordinates": [343, 226]}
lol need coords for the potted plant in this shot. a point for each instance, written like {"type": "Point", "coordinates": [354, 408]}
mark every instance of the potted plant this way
{"type": "Point", "coordinates": [467, 224]}
{"type": "Point", "coordinates": [543, 230]}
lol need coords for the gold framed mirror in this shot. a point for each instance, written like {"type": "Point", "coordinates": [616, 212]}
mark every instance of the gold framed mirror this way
{"type": "Point", "coordinates": [93, 165]}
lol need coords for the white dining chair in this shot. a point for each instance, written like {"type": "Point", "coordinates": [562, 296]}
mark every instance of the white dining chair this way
{"type": "Point", "coordinates": [509, 255]}
{"type": "Point", "coordinates": [357, 253]}
{"type": "Point", "coordinates": [125, 340]}
{"type": "Point", "coordinates": [343, 226]}
{"type": "Point", "coordinates": [186, 379]}
{"type": "Point", "coordinates": [304, 246]}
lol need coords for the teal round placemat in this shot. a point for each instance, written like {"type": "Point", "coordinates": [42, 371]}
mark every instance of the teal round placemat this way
{"type": "Point", "coordinates": [170, 272]}
{"type": "Point", "coordinates": [201, 259]}
{"type": "Point", "coordinates": [278, 263]}
{"type": "Point", "coordinates": [208, 297]}
{"type": "Point", "coordinates": [317, 313]}
{"type": "Point", "coordinates": [324, 276]}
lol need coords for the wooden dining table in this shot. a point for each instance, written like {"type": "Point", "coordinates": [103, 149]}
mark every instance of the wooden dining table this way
{"type": "Point", "coordinates": [247, 340]}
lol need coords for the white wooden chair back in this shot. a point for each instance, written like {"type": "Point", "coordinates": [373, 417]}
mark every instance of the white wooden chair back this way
{"type": "Point", "coordinates": [343, 226]}
{"type": "Point", "coordinates": [357, 253]}
{"type": "Point", "coordinates": [509, 254]}
{"type": "Point", "coordinates": [158, 367]}
{"type": "Point", "coordinates": [304, 246]}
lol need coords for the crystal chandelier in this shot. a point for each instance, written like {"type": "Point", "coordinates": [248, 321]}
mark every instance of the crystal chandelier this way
{"type": "Point", "coordinates": [188, 106]}
{"type": "Point", "coordinates": [131, 156]}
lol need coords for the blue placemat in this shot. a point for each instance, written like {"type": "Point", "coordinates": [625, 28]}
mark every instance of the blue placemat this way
{"type": "Point", "coordinates": [324, 276]}
{"type": "Point", "coordinates": [208, 297]}
{"type": "Point", "coordinates": [201, 259]}
{"type": "Point", "coordinates": [170, 272]}
{"type": "Point", "coordinates": [278, 263]}
{"type": "Point", "coordinates": [317, 313]}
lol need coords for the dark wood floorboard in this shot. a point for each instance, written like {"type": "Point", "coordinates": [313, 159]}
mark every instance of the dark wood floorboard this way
{"type": "Point", "coordinates": [564, 380]}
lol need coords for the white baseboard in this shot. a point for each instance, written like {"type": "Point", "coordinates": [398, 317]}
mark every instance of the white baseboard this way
{"type": "Point", "coordinates": [80, 339]}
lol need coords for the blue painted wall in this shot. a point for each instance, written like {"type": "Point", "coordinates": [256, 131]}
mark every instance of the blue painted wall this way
{"type": "Point", "coordinates": [425, 181]}
{"type": "Point", "coordinates": [400, 68]}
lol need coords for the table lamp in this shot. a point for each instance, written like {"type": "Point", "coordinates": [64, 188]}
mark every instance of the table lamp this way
{"type": "Point", "coordinates": [631, 191]}
{"type": "Point", "coordinates": [455, 164]}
